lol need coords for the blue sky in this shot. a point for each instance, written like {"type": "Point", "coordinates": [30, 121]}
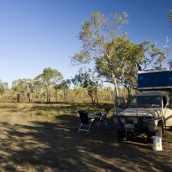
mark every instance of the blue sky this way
{"type": "Point", "coordinates": [36, 34]}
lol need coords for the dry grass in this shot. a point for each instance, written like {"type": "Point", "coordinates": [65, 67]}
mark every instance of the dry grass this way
{"type": "Point", "coordinates": [40, 137]}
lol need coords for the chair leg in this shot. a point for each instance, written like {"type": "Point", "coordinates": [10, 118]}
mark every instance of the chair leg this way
{"type": "Point", "coordinates": [79, 127]}
{"type": "Point", "coordinates": [82, 128]}
{"type": "Point", "coordinates": [89, 129]}
{"type": "Point", "coordinates": [102, 120]}
{"type": "Point", "coordinates": [97, 123]}
{"type": "Point", "coordinates": [105, 122]}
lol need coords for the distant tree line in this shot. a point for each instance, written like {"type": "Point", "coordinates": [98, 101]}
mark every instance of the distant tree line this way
{"type": "Point", "coordinates": [49, 86]}
{"type": "Point", "coordinates": [27, 90]}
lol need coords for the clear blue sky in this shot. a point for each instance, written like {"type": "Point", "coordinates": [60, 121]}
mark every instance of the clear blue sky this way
{"type": "Point", "coordinates": [36, 34]}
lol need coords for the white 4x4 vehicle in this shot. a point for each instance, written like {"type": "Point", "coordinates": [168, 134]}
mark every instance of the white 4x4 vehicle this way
{"type": "Point", "coordinates": [150, 111]}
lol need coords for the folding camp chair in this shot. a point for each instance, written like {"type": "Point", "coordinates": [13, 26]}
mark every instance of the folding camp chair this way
{"type": "Point", "coordinates": [102, 120]}
{"type": "Point", "coordinates": [85, 122]}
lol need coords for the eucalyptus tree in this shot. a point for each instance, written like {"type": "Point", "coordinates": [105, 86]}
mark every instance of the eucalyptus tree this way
{"type": "Point", "coordinates": [30, 89]}
{"type": "Point", "coordinates": [4, 91]}
{"type": "Point", "coordinates": [95, 35]}
{"type": "Point", "coordinates": [64, 86]}
{"type": "Point", "coordinates": [47, 79]}
{"type": "Point", "coordinates": [120, 59]}
{"type": "Point", "coordinates": [79, 94]}
{"type": "Point", "coordinates": [115, 55]}
{"type": "Point", "coordinates": [1, 87]}
{"type": "Point", "coordinates": [20, 87]}
{"type": "Point", "coordinates": [89, 81]}
{"type": "Point", "coordinates": [125, 60]}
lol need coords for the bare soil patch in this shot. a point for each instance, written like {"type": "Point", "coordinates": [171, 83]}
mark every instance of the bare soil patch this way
{"type": "Point", "coordinates": [37, 137]}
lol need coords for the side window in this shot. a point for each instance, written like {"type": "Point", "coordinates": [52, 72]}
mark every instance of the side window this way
{"type": "Point", "coordinates": [171, 100]}
{"type": "Point", "coordinates": [164, 101]}
{"type": "Point", "coordinates": [133, 103]}
{"type": "Point", "coordinates": [170, 103]}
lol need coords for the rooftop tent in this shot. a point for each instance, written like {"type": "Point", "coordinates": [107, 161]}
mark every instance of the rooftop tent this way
{"type": "Point", "coordinates": [155, 79]}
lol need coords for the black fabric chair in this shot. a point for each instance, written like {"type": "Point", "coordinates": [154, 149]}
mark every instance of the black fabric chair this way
{"type": "Point", "coordinates": [85, 122]}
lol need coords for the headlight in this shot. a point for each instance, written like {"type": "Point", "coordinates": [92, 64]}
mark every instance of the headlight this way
{"type": "Point", "coordinates": [135, 120]}
{"type": "Point", "coordinates": [123, 120]}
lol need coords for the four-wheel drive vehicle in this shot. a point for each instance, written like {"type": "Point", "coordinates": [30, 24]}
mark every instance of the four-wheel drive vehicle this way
{"type": "Point", "coordinates": [149, 112]}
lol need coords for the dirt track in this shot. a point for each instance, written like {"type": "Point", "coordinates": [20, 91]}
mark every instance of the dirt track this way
{"type": "Point", "coordinates": [51, 143]}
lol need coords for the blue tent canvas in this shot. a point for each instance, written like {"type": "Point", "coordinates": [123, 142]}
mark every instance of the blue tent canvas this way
{"type": "Point", "coordinates": [154, 79]}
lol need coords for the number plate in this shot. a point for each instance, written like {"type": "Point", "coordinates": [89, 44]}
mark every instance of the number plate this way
{"type": "Point", "coordinates": [128, 125]}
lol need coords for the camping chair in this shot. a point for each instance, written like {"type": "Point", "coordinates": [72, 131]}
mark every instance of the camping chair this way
{"type": "Point", "coordinates": [85, 122]}
{"type": "Point", "coordinates": [102, 120]}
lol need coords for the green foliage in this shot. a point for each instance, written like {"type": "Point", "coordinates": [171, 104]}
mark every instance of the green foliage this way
{"type": "Point", "coordinates": [170, 15]}
{"type": "Point", "coordinates": [114, 54]}
{"type": "Point", "coordinates": [120, 55]}
{"type": "Point", "coordinates": [87, 80]}
{"type": "Point", "coordinates": [24, 87]}
{"type": "Point", "coordinates": [49, 76]}
{"type": "Point", "coordinates": [1, 89]}
{"type": "Point", "coordinates": [170, 64]}
{"type": "Point", "coordinates": [46, 80]}
{"type": "Point", "coordinates": [95, 33]}
{"type": "Point", "coordinates": [64, 86]}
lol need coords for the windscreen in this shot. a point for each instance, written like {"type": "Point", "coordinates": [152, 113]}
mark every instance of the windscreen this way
{"type": "Point", "coordinates": [146, 102]}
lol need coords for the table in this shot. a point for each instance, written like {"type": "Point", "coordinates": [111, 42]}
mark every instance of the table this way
{"type": "Point", "coordinates": [90, 116]}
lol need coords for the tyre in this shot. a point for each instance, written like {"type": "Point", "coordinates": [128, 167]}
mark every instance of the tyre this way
{"type": "Point", "coordinates": [121, 136]}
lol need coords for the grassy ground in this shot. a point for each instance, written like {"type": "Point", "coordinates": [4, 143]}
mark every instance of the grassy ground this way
{"type": "Point", "coordinates": [41, 137]}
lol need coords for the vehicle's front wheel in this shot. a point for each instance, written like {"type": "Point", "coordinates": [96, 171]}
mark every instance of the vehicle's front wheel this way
{"type": "Point", "coordinates": [121, 136]}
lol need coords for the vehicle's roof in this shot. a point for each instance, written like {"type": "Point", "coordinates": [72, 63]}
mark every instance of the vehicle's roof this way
{"type": "Point", "coordinates": [151, 93]}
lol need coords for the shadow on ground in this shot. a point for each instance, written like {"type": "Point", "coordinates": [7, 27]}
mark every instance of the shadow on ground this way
{"type": "Point", "coordinates": [56, 146]}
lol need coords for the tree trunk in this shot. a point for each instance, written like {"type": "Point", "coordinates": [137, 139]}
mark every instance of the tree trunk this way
{"type": "Point", "coordinates": [115, 84]}
{"type": "Point", "coordinates": [48, 97]}
{"type": "Point", "coordinates": [18, 97]}
{"type": "Point", "coordinates": [96, 97]}
{"type": "Point", "coordinates": [92, 99]}
{"type": "Point", "coordinates": [65, 95]}
{"type": "Point", "coordinates": [56, 95]}
{"type": "Point", "coordinates": [116, 89]}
